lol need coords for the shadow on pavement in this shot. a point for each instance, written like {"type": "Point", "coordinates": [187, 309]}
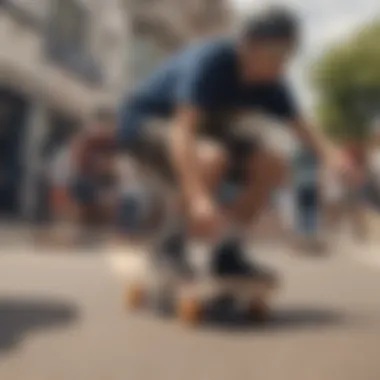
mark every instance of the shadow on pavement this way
{"type": "Point", "coordinates": [280, 320]}
{"type": "Point", "coordinates": [19, 317]}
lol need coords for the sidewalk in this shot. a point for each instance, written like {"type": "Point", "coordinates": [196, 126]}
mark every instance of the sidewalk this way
{"type": "Point", "coordinates": [268, 236]}
{"type": "Point", "coordinates": [16, 233]}
{"type": "Point", "coordinates": [374, 223]}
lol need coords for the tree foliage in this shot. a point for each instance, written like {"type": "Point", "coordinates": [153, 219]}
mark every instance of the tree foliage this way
{"type": "Point", "coordinates": [347, 79]}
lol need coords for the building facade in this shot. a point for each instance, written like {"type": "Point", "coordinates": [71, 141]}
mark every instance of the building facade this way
{"type": "Point", "coordinates": [160, 27]}
{"type": "Point", "coordinates": [59, 60]}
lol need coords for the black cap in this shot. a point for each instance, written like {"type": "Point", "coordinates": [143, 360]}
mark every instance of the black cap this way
{"type": "Point", "coordinates": [273, 23]}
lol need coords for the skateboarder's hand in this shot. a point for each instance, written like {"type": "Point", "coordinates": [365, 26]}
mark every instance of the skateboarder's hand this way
{"type": "Point", "coordinates": [205, 216]}
{"type": "Point", "coordinates": [340, 164]}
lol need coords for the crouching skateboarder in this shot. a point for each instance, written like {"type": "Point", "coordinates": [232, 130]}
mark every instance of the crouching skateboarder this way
{"type": "Point", "coordinates": [199, 94]}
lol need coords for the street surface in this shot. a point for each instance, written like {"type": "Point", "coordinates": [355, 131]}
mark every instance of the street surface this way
{"type": "Point", "coordinates": [62, 318]}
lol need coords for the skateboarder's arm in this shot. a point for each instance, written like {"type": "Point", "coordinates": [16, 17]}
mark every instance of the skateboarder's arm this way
{"type": "Point", "coordinates": [313, 138]}
{"type": "Point", "coordinates": [334, 159]}
{"type": "Point", "coordinates": [198, 90]}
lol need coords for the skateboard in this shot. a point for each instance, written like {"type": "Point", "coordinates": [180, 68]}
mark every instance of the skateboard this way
{"type": "Point", "coordinates": [191, 301]}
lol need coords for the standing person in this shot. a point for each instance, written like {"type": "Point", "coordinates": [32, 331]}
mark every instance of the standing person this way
{"type": "Point", "coordinates": [56, 176]}
{"type": "Point", "coordinates": [94, 178]}
{"type": "Point", "coordinates": [60, 171]}
{"type": "Point", "coordinates": [333, 199]}
{"type": "Point", "coordinates": [134, 207]}
{"type": "Point", "coordinates": [308, 205]}
{"type": "Point", "coordinates": [200, 93]}
{"type": "Point", "coordinates": [373, 187]}
{"type": "Point", "coordinates": [355, 198]}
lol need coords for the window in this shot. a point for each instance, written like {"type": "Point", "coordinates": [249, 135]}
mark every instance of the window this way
{"type": "Point", "coordinates": [68, 39]}
{"type": "Point", "coordinates": [28, 13]}
{"type": "Point", "coordinates": [148, 53]}
{"type": "Point", "coordinates": [69, 24]}
{"type": "Point", "coordinates": [213, 14]}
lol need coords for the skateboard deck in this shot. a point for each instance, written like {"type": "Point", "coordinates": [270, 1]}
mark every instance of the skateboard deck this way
{"type": "Point", "coordinates": [190, 300]}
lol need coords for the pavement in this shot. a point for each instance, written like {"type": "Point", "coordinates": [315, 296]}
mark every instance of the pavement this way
{"type": "Point", "coordinates": [62, 318]}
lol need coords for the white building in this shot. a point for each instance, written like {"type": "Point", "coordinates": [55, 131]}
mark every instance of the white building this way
{"type": "Point", "coordinates": [59, 60]}
{"type": "Point", "coordinates": [160, 27]}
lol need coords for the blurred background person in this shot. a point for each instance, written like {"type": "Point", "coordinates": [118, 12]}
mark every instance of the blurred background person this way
{"type": "Point", "coordinates": [59, 211]}
{"type": "Point", "coordinates": [94, 181]}
{"type": "Point", "coordinates": [134, 200]}
{"type": "Point", "coordinates": [372, 191]}
{"type": "Point", "coordinates": [308, 206]}
{"type": "Point", "coordinates": [355, 205]}
{"type": "Point", "coordinates": [60, 174]}
{"type": "Point", "coordinates": [345, 208]}
{"type": "Point", "coordinates": [333, 196]}
{"type": "Point", "coordinates": [374, 167]}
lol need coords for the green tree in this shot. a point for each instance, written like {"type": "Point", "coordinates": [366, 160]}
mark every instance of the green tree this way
{"type": "Point", "coordinates": [347, 79]}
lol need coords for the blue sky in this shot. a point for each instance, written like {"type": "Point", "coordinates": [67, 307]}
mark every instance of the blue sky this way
{"type": "Point", "coordinates": [326, 22]}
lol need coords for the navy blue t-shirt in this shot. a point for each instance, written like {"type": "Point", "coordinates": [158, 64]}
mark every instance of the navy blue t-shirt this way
{"type": "Point", "coordinates": [207, 76]}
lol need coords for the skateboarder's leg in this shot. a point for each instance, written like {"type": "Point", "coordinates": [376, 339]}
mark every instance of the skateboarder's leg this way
{"type": "Point", "coordinates": [172, 237]}
{"type": "Point", "coordinates": [265, 173]}
{"type": "Point", "coordinates": [151, 150]}
{"type": "Point", "coordinates": [260, 173]}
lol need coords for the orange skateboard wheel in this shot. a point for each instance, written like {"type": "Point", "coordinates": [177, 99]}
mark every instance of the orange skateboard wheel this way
{"type": "Point", "coordinates": [259, 310]}
{"type": "Point", "coordinates": [134, 297]}
{"type": "Point", "coordinates": [189, 311]}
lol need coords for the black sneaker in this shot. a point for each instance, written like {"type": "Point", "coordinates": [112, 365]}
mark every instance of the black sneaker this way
{"type": "Point", "coordinates": [229, 261]}
{"type": "Point", "coordinates": [172, 256]}
{"type": "Point", "coordinates": [174, 265]}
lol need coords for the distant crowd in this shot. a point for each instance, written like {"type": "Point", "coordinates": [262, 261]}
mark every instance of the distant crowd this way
{"type": "Point", "coordinates": [94, 187]}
